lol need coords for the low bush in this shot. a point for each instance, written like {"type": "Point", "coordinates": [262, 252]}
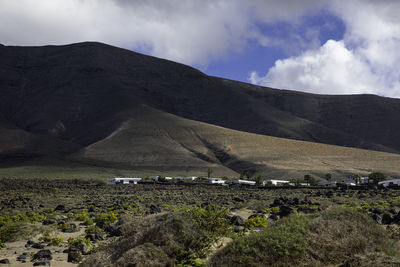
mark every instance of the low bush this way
{"type": "Point", "coordinates": [146, 254]}
{"type": "Point", "coordinates": [65, 226]}
{"type": "Point", "coordinates": [175, 238]}
{"type": "Point", "coordinates": [73, 242]}
{"type": "Point", "coordinates": [104, 219]}
{"type": "Point", "coordinates": [83, 217]}
{"type": "Point", "coordinates": [54, 241]}
{"type": "Point", "coordinates": [18, 230]}
{"type": "Point", "coordinates": [256, 222]}
{"type": "Point", "coordinates": [283, 242]}
{"type": "Point", "coordinates": [331, 237]}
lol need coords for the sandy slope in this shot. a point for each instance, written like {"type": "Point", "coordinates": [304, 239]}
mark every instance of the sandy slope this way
{"type": "Point", "coordinates": [157, 140]}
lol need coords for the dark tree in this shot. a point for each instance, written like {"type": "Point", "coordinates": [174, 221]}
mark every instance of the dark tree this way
{"type": "Point", "coordinates": [309, 179]}
{"type": "Point", "coordinates": [376, 177]}
{"type": "Point", "coordinates": [328, 176]}
{"type": "Point", "coordinates": [258, 179]}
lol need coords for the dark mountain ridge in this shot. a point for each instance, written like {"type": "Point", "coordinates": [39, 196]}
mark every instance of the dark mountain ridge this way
{"type": "Point", "coordinates": [62, 98]}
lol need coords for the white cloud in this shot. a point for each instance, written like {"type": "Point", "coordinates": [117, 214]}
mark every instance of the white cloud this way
{"type": "Point", "coordinates": [367, 60]}
{"type": "Point", "coordinates": [330, 69]}
{"type": "Point", "coordinates": [192, 32]}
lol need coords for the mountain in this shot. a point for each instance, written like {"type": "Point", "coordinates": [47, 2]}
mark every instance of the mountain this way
{"type": "Point", "coordinates": [98, 104]}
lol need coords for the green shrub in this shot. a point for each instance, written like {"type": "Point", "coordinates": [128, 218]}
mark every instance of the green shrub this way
{"type": "Point", "coordinates": [5, 220]}
{"type": "Point", "coordinates": [104, 219]}
{"type": "Point", "coordinates": [331, 237]}
{"type": "Point", "coordinates": [212, 219]}
{"type": "Point", "coordinates": [73, 242]}
{"type": "Point", "coordinates": [65, 226]}
{"type": "Point", "coordinates": [191, 263]}
{"type": "Point", "coordinates": [83, 217]}
{"type": "Point", "coordinates": [18, 230]}
{"type": "Point", "coordinates": [173, 238]}
{"type": "Point", "coordinates": [55, 241]}
{"type": "Point", "coordinates": [279, 243]}
{"type": "Point", "coordinates": [275, 209]}
{"type": "Point", "coordinates": [256, 222]}
{"type": "Point", "coordinates": [2, 245]}
{"type": "Point", "coordinates": [34, 217]}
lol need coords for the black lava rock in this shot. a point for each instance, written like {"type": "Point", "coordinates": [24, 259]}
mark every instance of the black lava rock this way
{"type": "Point", "coordinates": [154, 209]}
{"type": "Point", "coordinates": [74, 255]}
{"type": "Point", "coordinates": [42, 263]}
{"type": "Point", "coordinates": [237, 220]}
{"type": "Point", "coordinates": [377, 218]}
{"type": "Point", "coordinates": [285, 211]}
{"type": "Point", "coordinates": [42, 255]}
{"type": "Point", "coordinates": [4, 261]}
{"type": "Point", "coordinates": [387, 218]}
{"type": "Point", "coordinates": [60, 208]}
{"type": "Point", "coordinates": [37, 245]}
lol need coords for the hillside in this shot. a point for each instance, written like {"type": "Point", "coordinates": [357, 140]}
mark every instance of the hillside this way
{"type": "Point", "coordinates": [97, 104]}
{"type": "Point", "coordinates": [151, 139]}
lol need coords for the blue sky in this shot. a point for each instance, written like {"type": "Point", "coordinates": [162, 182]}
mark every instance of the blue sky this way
{"type": "Point", "coordinates": [317, 46]}
{"type": "Point", "coordinates": [260, 58]}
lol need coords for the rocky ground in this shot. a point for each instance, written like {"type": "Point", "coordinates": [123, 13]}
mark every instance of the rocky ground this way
{"type": "Point", "coordinates": [61, 222]}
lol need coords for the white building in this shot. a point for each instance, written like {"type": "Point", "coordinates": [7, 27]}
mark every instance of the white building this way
{"type": "Point", "coordinates": [243, 182]}
{"type": "Point", "coordinates": [390, 182]}
{"type": "Point", "coordinates": [190, 178]}
{"type": "Point", "coordinates": [124, 180]}
{"type": "Point", "coordinates": [275, 182]}
{"type": "Point", "coordinates": [216, 181]}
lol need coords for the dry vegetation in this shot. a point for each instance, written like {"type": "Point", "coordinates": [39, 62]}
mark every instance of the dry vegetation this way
{"type": "Point", "coordinates": [179, 224]}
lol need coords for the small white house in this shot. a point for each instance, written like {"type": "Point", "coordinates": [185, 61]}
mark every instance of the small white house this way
{"type": "Point", "coordinates": [275, 182]}
{"type": "Point", "coordinates": [216, 181]}
{"type": "Point", "coordinates": [190, 178]}
{"type": "Point", "coordinates": [124, 180]}
{"type": "Point", "coordinates": [243, 182]}
{"type": "Point", "coordinates": [390, 182]}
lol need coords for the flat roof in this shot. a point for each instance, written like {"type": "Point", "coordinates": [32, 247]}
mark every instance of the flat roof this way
{"type": "Point", "coordinates": [118, 178]}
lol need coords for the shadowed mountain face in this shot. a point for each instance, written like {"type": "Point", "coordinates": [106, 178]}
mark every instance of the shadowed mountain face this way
{"type": "Point", "coordinates": [57, 100]}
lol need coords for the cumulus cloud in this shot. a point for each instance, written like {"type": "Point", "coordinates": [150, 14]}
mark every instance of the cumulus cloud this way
{"type": "Point", "coordinates": [367, 60]}
{"type": "Point", "coordinates": [192, 32]}
{"type": "Point", "coordinates": [331, 68]}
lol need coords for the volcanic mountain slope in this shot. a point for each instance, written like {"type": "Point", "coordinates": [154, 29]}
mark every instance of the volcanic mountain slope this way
{"type": "Point", "coordinates": [151, 139]}
{"type": "Point", "coordinates": [60, 100]}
